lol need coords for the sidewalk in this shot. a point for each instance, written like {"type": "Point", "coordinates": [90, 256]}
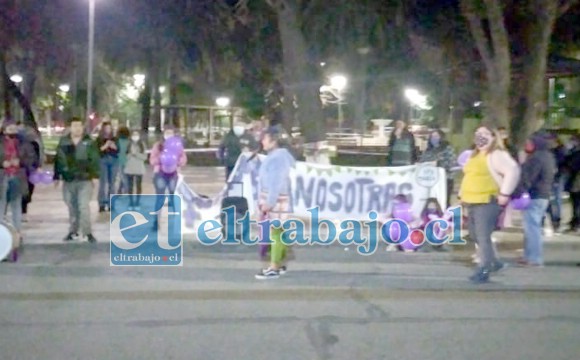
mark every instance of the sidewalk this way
{"type": "Point", "coordinates": [48, 219]}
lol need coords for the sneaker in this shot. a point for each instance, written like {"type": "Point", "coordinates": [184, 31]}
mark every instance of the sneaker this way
{"type": "Point", "coordinates": [91, 238]}
{"type": "Point", "coordinates": [268, 274]}
{"type": "Point", "coordinates": [392, 247]}
{"type": "Point", "coordinates": [70, 237]}
{"type": "Point", "coordinates": [283, 270]}
{"type": "Point", "coordinates": [481, 276]}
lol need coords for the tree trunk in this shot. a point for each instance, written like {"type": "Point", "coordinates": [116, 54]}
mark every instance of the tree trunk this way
{"type": "Point", "coordinates": [300, 77]}
{"type": "Point", "coordinates": [146, 105]}
{"type": "Point", "coordinates": [5, 87]}
{"type": "Point", "coordinates": [156, 83]}
{"type": "Point", "coordinates": [531, 100]}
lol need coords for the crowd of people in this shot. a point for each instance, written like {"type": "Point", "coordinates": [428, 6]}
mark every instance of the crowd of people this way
{"type": "Point", "coordinates": [494, 175]}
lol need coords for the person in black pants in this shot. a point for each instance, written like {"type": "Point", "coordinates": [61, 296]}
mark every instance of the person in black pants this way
{"type": "Point", "coordinates": [33, 140]}
{"type": "Point", "coordinates": [572, 167]}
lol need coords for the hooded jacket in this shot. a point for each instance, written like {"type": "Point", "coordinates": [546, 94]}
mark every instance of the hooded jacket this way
{"type": "Point", "coordinates": [539, 169]}
{"type": "Point", "coordinates": [274, 174]}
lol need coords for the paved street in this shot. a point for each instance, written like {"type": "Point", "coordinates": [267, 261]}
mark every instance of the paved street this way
{"type": "Point", "coordinates": [64, 301]}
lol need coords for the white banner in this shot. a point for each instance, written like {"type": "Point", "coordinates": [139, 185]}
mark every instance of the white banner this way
{"type": "Point", "coordinates": [340, 192]}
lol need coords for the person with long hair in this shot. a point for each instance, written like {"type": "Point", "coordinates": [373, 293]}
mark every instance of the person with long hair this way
{"type": "Point", "coordinates": [490, 177]}
{"type": "Point", "coordinates": [109, 152]}
{"type": "Point", "coordinates": [274, 200]}
{"type": "Point", "coordinates": [440, 151]}
{"type": "Point", "coordinates": [135, 168]}
{"type": "Point", "coordinates": [402, 149]}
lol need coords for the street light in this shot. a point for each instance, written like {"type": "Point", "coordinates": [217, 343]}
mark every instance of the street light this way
{"type": "Point", "coordinates": [416, 99]}
{"type": "Point", "coordinates": [91, 60]}
{"type": "Point", "coordinates": [64, 88]}
{"type": "Point", "coordinates": [16, 78]}
{"type": "Point", "coordinates": [222, 101]}
{"type": "Point", "coordinates": [138, 80]}
{"type": "Point", "coordinates": [339, 83]}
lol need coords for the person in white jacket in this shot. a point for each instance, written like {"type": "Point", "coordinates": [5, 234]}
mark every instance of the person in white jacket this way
{"type": "Point", "coordinates": [490, 177]}
{"type": "Point", "coordinates": [135, 168]}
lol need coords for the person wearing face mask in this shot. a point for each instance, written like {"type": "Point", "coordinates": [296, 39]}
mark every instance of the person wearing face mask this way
{"type": "Point", "coordinates": [439, 151]}
{"type": "Point", "coordinates": [17, 159]}
{"type": "Point", "coordinates": [402, 150]}
{"type": "Point", "coordinates": [491, 175]}
{"type": "Point", "coordinates": [232, 146]}
{"type": "Point", "coordinates": [538, 173]}
{"type": "Point", "coordinates": [135, 168]}
{"type": "Point", "coordinates": [164, 183]}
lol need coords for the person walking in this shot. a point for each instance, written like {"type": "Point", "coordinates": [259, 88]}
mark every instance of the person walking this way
{"type": "Point", "coordinates": [77, 165]}
{"type": "Point", "coordinates": [274, 201]}
{"type": "Point", "coordinates": [109, 152]}
{"type": "Point", "coordinates": [440, 152]}
{"type": "Point", "coordinates": [135, 168]}
{"type": "Point", "coordinates": [538, 172]}
{"type": "Point", "coordinates": [17, 160]}
{"type": "Point", "coordinates": [490, 177]}
{"type": "Point", "coordinates": [122, 146]}
{"type": "Point", "coordinates": [402, 150]}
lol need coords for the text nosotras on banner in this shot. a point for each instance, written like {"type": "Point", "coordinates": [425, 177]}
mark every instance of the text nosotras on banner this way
{"type": "Point", "coordinates": [339, 192]}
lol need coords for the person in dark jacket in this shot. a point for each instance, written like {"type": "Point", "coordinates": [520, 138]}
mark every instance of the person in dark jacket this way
{"type": "Point", "coordinates": [77, 164]}
{"type": "Point", "coordinates": [572, 171]}
{"type": "Point", "coordinates": [555, 205]}
{"type": "Point", "coordinates": [34, 141]}
{"type": "Point", "coordinates": [402, 150]}
{"type": "Point", "coordinates": [442, 153]}
{"type": "Point", "coordinates": [234, 143]}
{"type": "Point", "coordinates": [16, 158]}
{"type": "Point", "coordinates": [538, 173]}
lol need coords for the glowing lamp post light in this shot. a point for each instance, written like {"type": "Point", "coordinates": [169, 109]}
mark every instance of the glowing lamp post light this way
{"type": "Point", "coordinates": [17, 79]}
{"type": "Point", "coordinates": [416, 99]}
{"type": "Point", "coordinates": [339, 82]}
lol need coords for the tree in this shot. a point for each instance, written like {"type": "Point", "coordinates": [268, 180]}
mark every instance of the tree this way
{"type": "Point", "coordinates": [487, 22]}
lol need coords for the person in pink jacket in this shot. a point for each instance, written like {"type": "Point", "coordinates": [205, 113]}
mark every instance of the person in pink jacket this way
{"type": "Point", "coordinates": [164, 183]}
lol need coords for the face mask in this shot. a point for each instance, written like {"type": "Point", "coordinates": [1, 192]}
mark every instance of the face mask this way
{"type": "Point", "coordinates": [435, 141]}
{"type": "Point", "coordinates": [167, 136]}
{"type": "Point", "coordinates": [135, 138]}
{"type": "Point", "coordinates": [239, 130]}
{"type": "Point", "coordinates": [11, 136]}
{"type": "Point", "coordinates": [481, 141]}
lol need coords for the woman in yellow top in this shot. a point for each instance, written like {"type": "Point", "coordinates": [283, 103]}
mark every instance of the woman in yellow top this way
{"type": "Point", "coordinates": [490, 177]}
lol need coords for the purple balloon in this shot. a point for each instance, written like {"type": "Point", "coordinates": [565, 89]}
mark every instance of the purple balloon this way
{"type": "Point", "coordinates": [46, 177]}
{"type": "Point", "coordinates": [464, 157]}
{"type": "Point", "coordinates": [35, 178]}
{"type": "Point", "coordinates": [174, 145]}
{"type": "Point", "coordinates": [521, 203]}
{"type": "Point", "coordinates": [403, 212]}
{"type": "Point", "coordinates": [408, 245]}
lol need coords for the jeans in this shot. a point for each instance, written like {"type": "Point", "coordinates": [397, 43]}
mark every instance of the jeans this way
{"type": "Point", "coordinates": [575, 222]}
{"type": "Point", "coordinates": [229, 170]}
{"type": "Point", "coordinates": [482, 220]}
{"type": "Point", "coordinates": [555, 204]}
{"type": "Point", "coordinates": [123, 181]}
{"type": "Point", "coordinates": [533, 241]}
{"type": "Point", "coordinates": [11, 195]}
{"type": "Point", "coordinates": [134, 181]}
{"type": "Point", "coordinates": [28, 198]}
{"type": "Point", "coordinates": [77, 196]}
{"type": "Point", "coordinates": [107, 179]}
{"type": "Point", "coordinates": [164, 183]}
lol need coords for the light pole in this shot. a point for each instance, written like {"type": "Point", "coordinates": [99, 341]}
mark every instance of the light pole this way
{"type": "Point", "coordinates": [91, 61]}
{"type": "Point", "coordinates": [339, 82]}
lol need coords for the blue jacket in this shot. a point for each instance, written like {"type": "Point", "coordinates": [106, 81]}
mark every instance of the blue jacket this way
{"type": "Point", "coordinates": [275, 174]}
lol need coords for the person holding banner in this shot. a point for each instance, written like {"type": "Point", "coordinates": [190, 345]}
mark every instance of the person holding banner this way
{"type": "Point", "coordinates": [490, 177]}
{"type": "Point", "coordinates": [274, 200]}
{"type": "Point", "coordinates": [402, 150]}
